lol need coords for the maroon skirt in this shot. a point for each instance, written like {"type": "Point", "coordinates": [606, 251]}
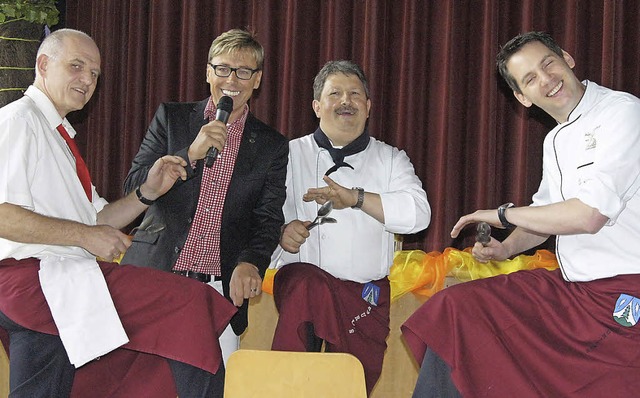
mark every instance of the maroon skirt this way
{"type": "Point", "coordinates": [164, 315]}
{"type": "Point", "coordinates": [304, 294]}
{"type": "Point", "coordinates": [532, 334]}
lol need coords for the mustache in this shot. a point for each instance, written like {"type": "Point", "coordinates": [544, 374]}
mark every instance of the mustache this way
{"type": "Point", "coordinates": [346, 109]}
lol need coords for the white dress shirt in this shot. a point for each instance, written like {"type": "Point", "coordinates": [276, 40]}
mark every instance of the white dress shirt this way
{"type": "Point", "coordinates": [37, 172]}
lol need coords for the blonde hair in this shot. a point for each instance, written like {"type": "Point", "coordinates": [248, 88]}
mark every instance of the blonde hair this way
{"type": "Point", "coordinates": [236, 40]}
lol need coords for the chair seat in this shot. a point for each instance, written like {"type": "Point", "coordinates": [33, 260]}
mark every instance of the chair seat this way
{"type": "Point", "coordinates": [258, 373]}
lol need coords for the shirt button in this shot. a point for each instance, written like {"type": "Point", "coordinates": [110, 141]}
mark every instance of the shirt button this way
{"type": "Point", "coordinates": [176, 249]}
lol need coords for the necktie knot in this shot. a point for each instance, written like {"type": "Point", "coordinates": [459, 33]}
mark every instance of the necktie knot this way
{"type": "Point", "coordinates": [81, 166]}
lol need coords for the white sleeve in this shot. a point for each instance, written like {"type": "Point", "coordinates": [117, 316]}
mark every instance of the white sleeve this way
{"type": "Point", "coordinates": [614, 175]}
{"type": "Point", "coordinates": [405, 205]}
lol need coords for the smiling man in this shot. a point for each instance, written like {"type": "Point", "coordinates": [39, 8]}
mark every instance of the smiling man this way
{"type": "Point", "coordinates": [333, 288]}
{"type": "Point", "coordinates": [61, 308]}
{"type": "Point", "coordinates": [571, 332]}
{"type": "Point", "coordinates": [221, 225]}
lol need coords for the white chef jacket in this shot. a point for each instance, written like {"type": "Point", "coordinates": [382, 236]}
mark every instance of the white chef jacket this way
{"type": "Point", "coordinates": [595, 157]}
{"type": "Point", "coordinates": [358, 247]}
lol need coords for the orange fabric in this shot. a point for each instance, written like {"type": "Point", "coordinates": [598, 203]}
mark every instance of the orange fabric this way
{"type": "Point", "coordinates": [267, 281]}
{"type": "Point", "coordinates": [424, 273]}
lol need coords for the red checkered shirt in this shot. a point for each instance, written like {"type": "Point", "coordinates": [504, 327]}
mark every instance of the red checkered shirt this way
{"type": "Point", "coordinates": [201, 251]}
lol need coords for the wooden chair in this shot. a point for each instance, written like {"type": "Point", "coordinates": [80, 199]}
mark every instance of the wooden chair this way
{"type": "Point", "coordinates": [4, 373]}
{"type": "Point", "coordinates": [258, 373]}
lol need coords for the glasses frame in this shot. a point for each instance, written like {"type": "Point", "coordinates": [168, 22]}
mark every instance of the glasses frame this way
{"type": "Point", "coordinates": [232, 70]}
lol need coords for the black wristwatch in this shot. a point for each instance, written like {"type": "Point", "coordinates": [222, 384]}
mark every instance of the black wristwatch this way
{"type": "Point", "coordinates": [360, 201]}
{"type": "Point", "coordinates": [503, 219]}
{"type": "Point", "coordinates": [142, 199]}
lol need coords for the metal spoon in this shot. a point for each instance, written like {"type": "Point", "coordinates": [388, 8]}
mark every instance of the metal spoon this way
{"type": "Point", "coordinates": [483, 233]}
{"type": "Point", "coordinates": [322, 220]}
{"type": "Point", "coordinates": [323, 211]}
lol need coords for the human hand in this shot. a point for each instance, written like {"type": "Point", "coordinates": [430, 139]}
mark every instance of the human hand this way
{"type": "Point", "coordinates": [162, 175]}
{"type": "Point", "coordinates": [294, 235]}
{"type": "Point", "coordinates": [488, 216]}
{"type": "Point", "coordinates": [212, 134]}
{"type": "Point", "coordinates": [494, 250]}
{"type": "Point", "coordinates": [105, 242]}
{"type": "Point", "coordinates": [245, 283]}
{"type": "Point", "coordinates": [340, 196]}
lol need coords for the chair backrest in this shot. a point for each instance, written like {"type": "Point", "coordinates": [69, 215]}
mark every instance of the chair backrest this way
{"type": "Point", "coordinates": [4, 370]}
{"type": "Point", "coordinates": [282, 374]}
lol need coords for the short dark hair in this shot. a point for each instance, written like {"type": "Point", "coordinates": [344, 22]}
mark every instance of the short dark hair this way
{"type": "Point", "coordinates": [333, 67]}
{"type": "Point", "coordinates": [514, 45]}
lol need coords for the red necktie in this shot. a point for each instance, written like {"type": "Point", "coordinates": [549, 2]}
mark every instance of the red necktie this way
{"type": "Point", "coordinates": [81, 167]}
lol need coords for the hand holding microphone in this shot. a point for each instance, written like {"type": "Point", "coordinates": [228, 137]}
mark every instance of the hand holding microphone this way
{"type": "Point", "coordinates": [223, 110]}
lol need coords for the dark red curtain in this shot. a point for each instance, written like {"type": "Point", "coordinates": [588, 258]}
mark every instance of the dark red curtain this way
{"type": "Point", "coordinates": [430, 64]}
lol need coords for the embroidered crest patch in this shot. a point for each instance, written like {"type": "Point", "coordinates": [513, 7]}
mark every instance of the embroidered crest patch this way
{"type": "Point", "coordinates": [371, 293]}
{"type": "Point", "coordinates": [590, 139]}
{"type": "Point", "coordinates": [627, 311]}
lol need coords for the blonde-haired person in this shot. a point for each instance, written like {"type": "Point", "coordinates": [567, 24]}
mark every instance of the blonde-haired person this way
{"type": "Point", "coordinates": [221, 224]}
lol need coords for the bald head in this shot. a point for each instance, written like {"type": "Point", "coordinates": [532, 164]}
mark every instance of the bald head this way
{"type": "Point", "coordinates": [67, 69]}
{"type": "Point", "coordinates": [54, 44]}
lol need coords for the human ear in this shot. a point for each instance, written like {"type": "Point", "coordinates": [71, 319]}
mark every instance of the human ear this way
{"type": "Point", "coordinates": [316, 107]}
{"type": "Point", "coordinates": [522, 99]}
{"type": "Point", "coordinates": [568, 59]}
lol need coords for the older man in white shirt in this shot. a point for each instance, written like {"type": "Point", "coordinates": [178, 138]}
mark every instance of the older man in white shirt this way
{"type": "Point", "coordinates": [332, 286]}
{"type": "Point", "coordinates": [59, 306]}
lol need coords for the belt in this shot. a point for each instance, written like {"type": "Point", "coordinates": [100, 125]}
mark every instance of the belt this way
{"type": "Point", "coordinates": [206, 278]}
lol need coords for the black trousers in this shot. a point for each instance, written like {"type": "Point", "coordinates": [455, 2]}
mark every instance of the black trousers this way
{"type": "Point", "coordinates": [434, 379]}
{"type": "Point", "coordinates": [39, 367]}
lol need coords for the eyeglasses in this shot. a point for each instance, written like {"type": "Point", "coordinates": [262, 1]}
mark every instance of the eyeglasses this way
{"type": "Point", "coordinates": [225, 71]}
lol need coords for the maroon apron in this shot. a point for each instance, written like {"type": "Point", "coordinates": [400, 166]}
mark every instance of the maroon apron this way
{"type": "Point", "coordinates": [304, 293]}
{"type": "Point", "coordinates": [532, 334]}
{"type": "Point", "coordinates": [164, 315]}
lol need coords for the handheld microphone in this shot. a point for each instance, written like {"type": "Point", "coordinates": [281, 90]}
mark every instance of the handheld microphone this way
{"type": "Point", "coordinates": [223, 110]}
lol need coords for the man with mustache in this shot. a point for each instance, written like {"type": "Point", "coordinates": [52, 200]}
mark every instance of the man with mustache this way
{"type": "Point", "coordinates": [571, 332]}
{"type": "Point", "coordinates": [333, 288]}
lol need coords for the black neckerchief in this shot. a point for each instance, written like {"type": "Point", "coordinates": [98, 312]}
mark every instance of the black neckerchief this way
{"type": "Point", "coordinates": [338, 154]}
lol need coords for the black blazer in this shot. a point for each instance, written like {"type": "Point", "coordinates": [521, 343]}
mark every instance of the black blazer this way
{"type": "Point", "coordinates": [252, 214]}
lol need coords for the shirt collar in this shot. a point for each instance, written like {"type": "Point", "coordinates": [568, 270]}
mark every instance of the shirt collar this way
{"type": "Point", "coordinates": [210, 112]}
{"type": "Point", "coordinates": [48, 110]}
{"type": "Point", "coordinates": [583, 104]}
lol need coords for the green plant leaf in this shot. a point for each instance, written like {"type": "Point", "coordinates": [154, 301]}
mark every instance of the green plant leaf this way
{"type": "Point", "coordinates": [37, 11]}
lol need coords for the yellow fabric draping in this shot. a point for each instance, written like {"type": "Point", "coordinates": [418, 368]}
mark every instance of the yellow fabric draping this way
{"type": "Point", "coordinates": [424, 273]}
{"type": "Point", "coordinates": [267, 282]}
